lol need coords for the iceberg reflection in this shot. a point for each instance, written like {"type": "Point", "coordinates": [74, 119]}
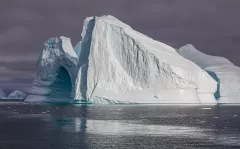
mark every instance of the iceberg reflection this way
{"type": "Point", "coordinates": [115, 127]}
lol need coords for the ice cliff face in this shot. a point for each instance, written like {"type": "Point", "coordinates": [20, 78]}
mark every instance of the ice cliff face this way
{"type": "Point", "coordinates": [120, 64]}
{"type": "Point", "coordinates": [227, 74]}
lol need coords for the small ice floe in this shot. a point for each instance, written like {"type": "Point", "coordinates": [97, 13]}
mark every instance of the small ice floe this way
{"type": "Point", "coordinates": [200, 121]}
{"type": "Point", "coordinates": [45, 112]}
{"type": "Point", "coordinates": [206, 108]}
{"type": "Point", "coordinates": [216, 117]}
{"type": "Point", "coordinates": [119, 109]}
{"type": "Point", "coordinates": [235, 115]}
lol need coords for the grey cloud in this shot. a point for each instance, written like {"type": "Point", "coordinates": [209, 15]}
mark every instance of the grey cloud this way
{"type": "Point", "coordinates": [6, 72]}
{"type": "Point", "coordinates": [24, 66]}
{"type": "Point", "coordinates": [31, 57]}
{"type": "Point", "coordinates": [14, 34]}
{"type": "Point", "coordinates": [212, 26]}
{"type": "Point", "coordinates": [17, 69]}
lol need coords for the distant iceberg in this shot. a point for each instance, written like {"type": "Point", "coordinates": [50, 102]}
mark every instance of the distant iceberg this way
{"type": "Point", "coordinates": [15, 95]}
{"type": "Point", "coordinates": [115, 64]}
{"type": "Point", "coordinates": [222, 70]}
{"type": "Point", "coordinates": [2, 94]}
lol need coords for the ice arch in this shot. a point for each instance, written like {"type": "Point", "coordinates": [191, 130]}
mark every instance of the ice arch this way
{"type": "Point", "coordinates": [58, 60]}
{"type": "Point", "coordinates": [62, 86]}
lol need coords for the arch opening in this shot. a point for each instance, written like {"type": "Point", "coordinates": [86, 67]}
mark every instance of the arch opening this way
{"type": "Point", "coordinates": [62, 86]}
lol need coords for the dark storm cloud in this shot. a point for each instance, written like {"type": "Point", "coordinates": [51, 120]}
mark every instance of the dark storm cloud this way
{"type": "Point", "coordinates": [212, 26]}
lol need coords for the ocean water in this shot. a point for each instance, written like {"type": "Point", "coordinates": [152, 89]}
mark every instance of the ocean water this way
{"type": "Point", "coordinates": [69, 126]}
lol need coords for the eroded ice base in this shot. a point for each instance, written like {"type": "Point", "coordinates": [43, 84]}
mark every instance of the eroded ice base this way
{"type": "Point", "coordinates": [182, 96]}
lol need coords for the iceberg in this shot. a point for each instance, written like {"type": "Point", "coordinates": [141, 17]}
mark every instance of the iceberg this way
{"type": "Point", "coordinates": [113, 63]}
{"type": "Point", "coordinates": [2, 94]}
{"type": "Point", "coordinates": [120, 64]}
{"type": "Point", "coordinates": [221, 69]}
{"type": "Point", "coordinates": [56, 69]}
{"type": "Point", "coordinates": [17, 95]}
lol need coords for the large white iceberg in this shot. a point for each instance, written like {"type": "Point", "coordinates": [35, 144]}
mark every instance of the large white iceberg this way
{"type": "Point", "coordinates": [118, 63]}
{"type": "Point", "coordinates": [222, 70]}
{"type": "Point", "coordinates": [115, 64]}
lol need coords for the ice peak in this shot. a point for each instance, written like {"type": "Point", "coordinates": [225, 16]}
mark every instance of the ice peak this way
{"type": "Point", "coordinates": [187, 48]}
{"type": "Point", "coordinates": [52, 43]}
{"type": "Point", "coordinates": [203, 60]}
{"type": "Point", "coordinates": [67, 47]}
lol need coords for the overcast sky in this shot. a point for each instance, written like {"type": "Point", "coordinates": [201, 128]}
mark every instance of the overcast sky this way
{"type": "Point", "coordinates": [212, 26]}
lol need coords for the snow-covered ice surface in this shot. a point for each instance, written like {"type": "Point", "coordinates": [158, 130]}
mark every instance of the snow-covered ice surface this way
{"type": "Point", "coordinates": [228, 75]}
{"type": "Point", "coordinates": [113, 63]}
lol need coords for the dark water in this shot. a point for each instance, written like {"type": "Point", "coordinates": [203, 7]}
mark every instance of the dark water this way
{"type": "Point", "coordinates": [25, 126]}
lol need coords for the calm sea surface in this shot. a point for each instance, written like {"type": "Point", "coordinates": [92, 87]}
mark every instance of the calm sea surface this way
{"type": "Point", "coordinates": [65, 126]}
